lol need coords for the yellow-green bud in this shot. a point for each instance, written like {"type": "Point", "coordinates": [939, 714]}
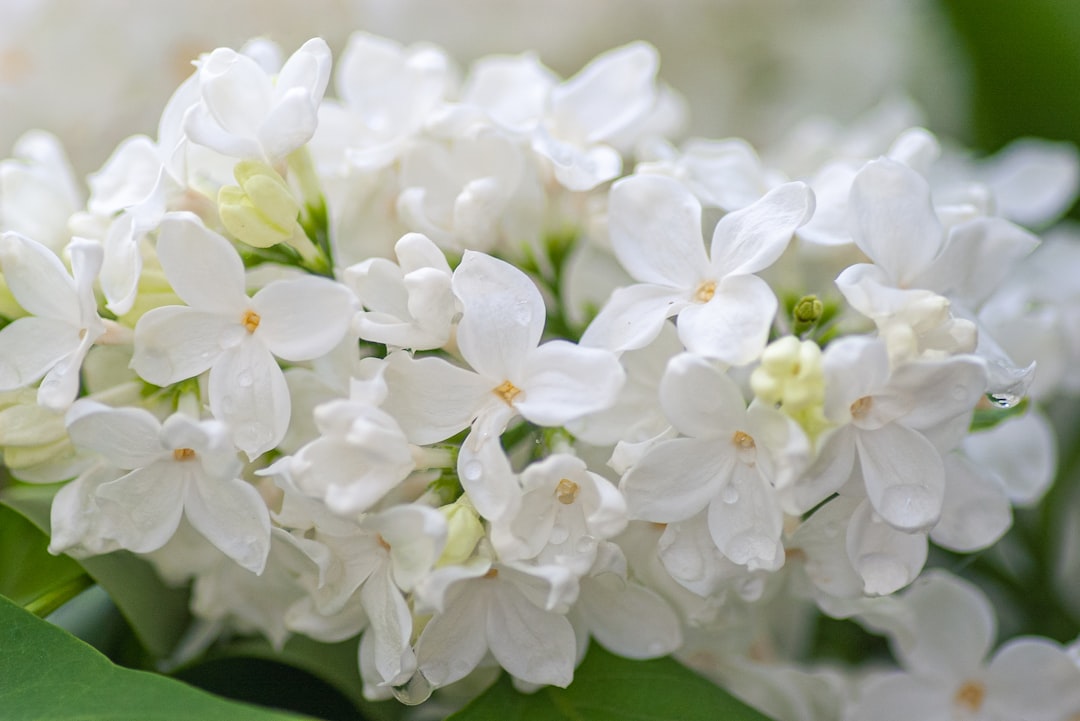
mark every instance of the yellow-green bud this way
{"type": "Point", "coordinates": [791, 377]}
{"type": "Point", "coordinates": [261, 211]}
{"type": "Point", "coordinates": [464, 531]}
{"type": "Point", "coordinates": [808, 310]}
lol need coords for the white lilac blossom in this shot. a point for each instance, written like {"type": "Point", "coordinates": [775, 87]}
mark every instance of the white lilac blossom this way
{"type": "Point", "coordinates": [423, 363]}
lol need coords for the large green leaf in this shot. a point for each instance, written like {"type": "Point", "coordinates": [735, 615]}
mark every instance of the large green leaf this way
{"type": "Point", "coordinates": [29, 576]}
{"type": "Point", "coordinates": [157, 613]}
{"type": "Point", "coordinates": [46, 674]}
{"type": "Point", "coordinates": [610, 688]}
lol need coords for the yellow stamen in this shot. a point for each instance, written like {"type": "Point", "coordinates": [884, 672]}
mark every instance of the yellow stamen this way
{"type": "Point", "coordinates": [861, 407]}
{"type": "Point", "coordinates": [492, 573]}
{"type": "Point", "coordinates": [566, 491]}
{"type": "Point", "coordinates": [183, 454]}
{"type": "Point", "coordinates": [382, 542]}
{"type": "Point", "coordinates": [508, 392]}
{"type": "Point", "coordinates": [705, 291]}
{"type": "Point", "coordinates": [744, 441]}
{"type": "Point", "coordinates": [970, 695]}
{"type": "Point", "coordinates": [250, 321]}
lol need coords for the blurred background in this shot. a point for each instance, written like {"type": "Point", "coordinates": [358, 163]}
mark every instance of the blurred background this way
{"type": "Point", "coordinates": [94, 73]}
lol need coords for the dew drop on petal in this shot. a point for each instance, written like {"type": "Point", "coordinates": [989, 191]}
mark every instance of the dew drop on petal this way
{"type": "Point", "coordinates": [244, 379]}
{"type": "Point", "coordinates": [729, 495]}
{"type": "Point", "coordinates": [472, 471]}
{"type": "Point", "coordinates": [417, 689]}
{"type": "Point", "coordinates": [1004, 400]}
{"type": "Point", "coordinates": [909, 507]}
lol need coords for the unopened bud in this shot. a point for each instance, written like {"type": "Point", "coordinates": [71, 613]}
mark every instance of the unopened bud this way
{"type": "Point", "coordinates": [464, 531]}
{"type": "Point", "coordinates": [261, 211]}
{"type": "Point", "coordinates": [807, 310]}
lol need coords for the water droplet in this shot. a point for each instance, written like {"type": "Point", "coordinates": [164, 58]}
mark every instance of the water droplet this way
{"type": "Point", "coordinates": [729, 495]}
{"type": "Point", "coordinates": [1004, 400]}
{"type": "Point", "coordinates": [472, 471]}
{"type": "Point", "coordinates": [416, 690]}
{"type": "Point", "coordinates": [559, 534]}
{"type": "Point", "coordinates": [910, 507]}
{"type": "Point", "coordinates": [244, 379]}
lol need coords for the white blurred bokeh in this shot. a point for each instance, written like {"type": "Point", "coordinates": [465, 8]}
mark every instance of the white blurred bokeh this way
{"type": "Point", "coordinates": [96, 72]}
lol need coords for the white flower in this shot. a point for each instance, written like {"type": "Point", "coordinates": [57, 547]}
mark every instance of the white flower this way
{"type": "Point", "coordinates": [234, 336]}
{"type": "Point", "coordinates": [498, 335]}
{"type": "Point", "coordinates": [52, 341]}
{"type": "Point", "coordinates": [245, 113]}
{"type": "Point", "coordinates": [724, 310]}
{"type": "Point", "coordinates": [897, 424]}
{"type": "Point", "coordinates": [408, 304]}
{"type": "Point", "coordinates": [514, 610]}
{"type": "Point", "coordinates": [565, 511]}
{"type": "Point", "coordinates": [731, 464]}
{"type": "Point", "coordinates": [181, 468]}
{"type": "Point", "coordinates": [38, 191]}
{"type": "Point", "coordinates": [942, 643]}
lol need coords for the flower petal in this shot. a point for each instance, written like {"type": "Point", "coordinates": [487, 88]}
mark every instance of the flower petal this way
{"type": "Point", "coordinates": [202, 267]}
{"type": "Point", "coordinates": [532, 644]}
{"type": "Point", "coordinates": [302, 318]}
{"type": "Point", "coordinates": [734, 325]}
{"type": "Point", "coordinates": [128, 437]}
{"type": "Point", "coordinates": [248, 392]}
{"type": "Point", "coordinates": [503, 315]}
{"type": "Point", "coordinates": [175, 342]}
{"type": "Point", "coordinates": [142, 509]}
{"type": "Point", "coordinates": [677, 478]}
{"type": "Point", "coordinates": [432, 399]}
{"type": "Point", "coordinates": [562, 381]}
{"type": "Point", "coordinates": [232, 515]}
{"type": "Point", "coordinates": [38, 280]}
{"type": "Point", "coordinates": [632, 317]}
{"type": "Point", "coordinates": [30, 346]}
{"type": "Point", "coordinates": [751, 239]}
{"type": "Point", "coordinates": [700, 399]}
{"type": "Point", "coordinates": [655, 228]}
{"type": "Point", "coordinates": [904, 476]}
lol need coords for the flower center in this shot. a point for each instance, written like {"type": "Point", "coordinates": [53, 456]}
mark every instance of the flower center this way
{"type": "Point", "coordinates": [492, 573]}
{"type": "Point", "coordinates": [970, 695]}
{"type": "Point", "coordinates": [382, 542]}
{"type": "Point", "coordinates": [508, 392]}
{"type": "Point", "coordinates": [743, 441]}
{"type": "Point", "coordinates": [183, 454]}
{"type": "Point", "coordinates": [861, 407]}
{"type": "Point", "coordinates": [705, 291]}
{"type": "Point", "coordinates": [566, 491]}
{"type": "Point", "coordinates": [250, 321]}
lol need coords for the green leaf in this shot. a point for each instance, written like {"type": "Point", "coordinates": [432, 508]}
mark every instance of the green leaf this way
{"type": "Point", "coordinates": [157, 613]}
{"type": "Point", "coordinates": [334, 663]}
{"type": "Point", "coordinates": [29, 575]}
{"type": "Point", "coordinates": [610, 688]}
{"type": "Point", "coordinates": [46, 674]}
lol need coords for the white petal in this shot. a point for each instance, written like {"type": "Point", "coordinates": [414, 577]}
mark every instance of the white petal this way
{"type": "Point", "coordinates": [1033, 678]}
{"type": "Point", "coordinates": [734, 325]}
{"type": "Point", "coordinates": [902, 696]}
{"type": "Point", "coordinates": [977, 258]}
{"type": "Point", "coordinates": [416, 535]}
{"type": "Point", "coordinates": [829, 472]}
{"type": "Point", "coordinates": [700, 399]}
{"type": "Point", "coordinates": [613, 91]}
{"type": "Point", "coordinates": [1021, 452]}
{"type": "Point", "coordinates": [904, 476]}
{"type": "Point", "coordinates": [232, 515]}
{"type": "Point", "coordinates": [975, 512]}
{"type": "Point", "coordinates": [676, 479]}
{"type": "Point", "coordinates": [503, 315]}
{"type": "Point", "coordinates": [202, 267]}
{"type": "Point", "coordinates": [746, 521]}
{"type": "Point", "coordinates": [632, 317]}
{"type": "Point", "coordinates": [484, 469]}
{"type": "Point", "coordinates": [128, 437]}
{"type": "Point", "coordinates": [751, 239]}
{"type": "Point", "coordinates": [561, 381]}
{"type": "Point", "coordinates": [288, 125]}
{"type": "Point", "coordinates": [632, 621]}
{"type": "Point", "coordinates": [142, 509]}
{"type": "Point", "coordinates": [886, 559]}
{"type": "Point", "coordinates": [303, 318]}
{"type": "Point", "coordinates": [953, 628]}
{"type": "Point", "coordinates": [432, 399]}
{"type": "Point", "coordinates": [175, 342]}
{"type": "Point", "coordinates": [391, 626]}
{"type": "Point", "coordinates": [38, 280]}
{"type": "Point", "coordinates": [30, 346]}
{"type": "Point", "coordinates": [894, 217]}
{"type": "Point", "coordinates": [655, 228]}
{"type": "Point", "coordinates": [454, 641]}
{"type": "Point", "coordinates": [248, 392]}
{"type": "Point", "coordinates": [532, 644]}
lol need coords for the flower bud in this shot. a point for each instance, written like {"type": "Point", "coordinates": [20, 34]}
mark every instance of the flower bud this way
{"type": "Point", "coordinates": [464, 531]}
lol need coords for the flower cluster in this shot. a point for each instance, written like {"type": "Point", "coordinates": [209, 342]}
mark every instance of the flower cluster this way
{"type": "Point", "coordinates": [425, 362]}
